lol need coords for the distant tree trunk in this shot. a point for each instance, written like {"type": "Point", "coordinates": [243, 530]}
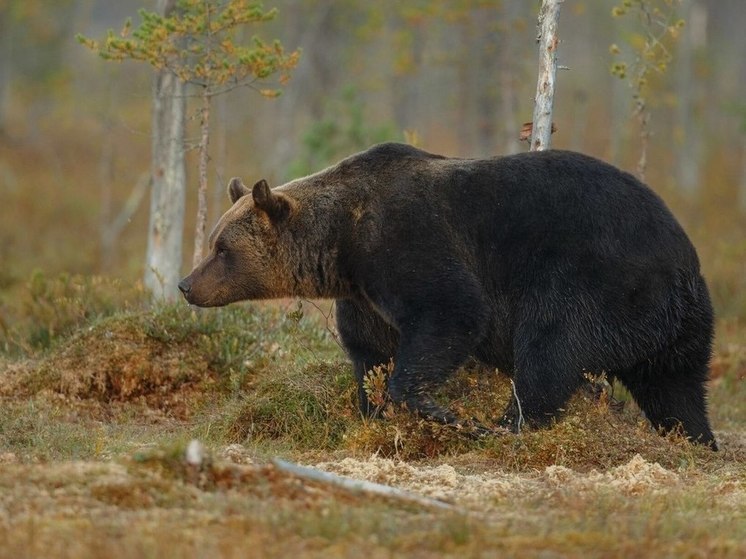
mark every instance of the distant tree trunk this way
{"type": "Point", "coordinates": [509, 122]}
{"type": "Point", "coordinates": [486, 102]}
{"type": "Point", "coordinates": [619, 120]}
{"type": "Point", "coordinates": [619, 108]}
{"type": "Point", "coordinates": [317, 33]}
{"type": "Point", "coordinates": [204, 143]}
{"type": "Point", "coordinates": [466, 77]}
{"type": "Point", "coordinates": [219, 155]}
{"type": "Point", "coordinates": [163, 258]}
{"type": "Point", "coordinates": [106, 173]}
{"type": "Point", "coordinates": [689, 152]}
{"type": "Point", "coordinates": [5, 71]}
{"type": "Point", "coordinates": [114, 227]}
{"type": "Point", "coordinates": [406, 84]}
{"type": "Point", "coordinates": [742, 186]}
{"type": "Point", "coordinates": [541, 134]}
{"type": "Point", "coordinates": [579, 120]}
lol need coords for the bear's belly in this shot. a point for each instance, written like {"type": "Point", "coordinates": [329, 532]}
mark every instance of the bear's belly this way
{"type": "Point", "coordinates": [496, 347]}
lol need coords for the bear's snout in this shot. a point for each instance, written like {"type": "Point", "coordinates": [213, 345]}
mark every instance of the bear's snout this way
{"type": "Point", "coordinates": [185, 286]}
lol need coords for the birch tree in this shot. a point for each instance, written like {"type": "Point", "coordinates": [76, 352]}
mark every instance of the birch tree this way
{"type": "Point", "coordinates": [646, 56]}
{"type": "Point", "coordinates": [541, 130]}
{"type": "Point", "coordinates": [168, 179]}
{"type": "Point", "coordinates": [195, 42]}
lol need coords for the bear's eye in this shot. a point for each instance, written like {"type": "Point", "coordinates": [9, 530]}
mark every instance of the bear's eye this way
{"type": "Point", "coordinates": [221, 252]}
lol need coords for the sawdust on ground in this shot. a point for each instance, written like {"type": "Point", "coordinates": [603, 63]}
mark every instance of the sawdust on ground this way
{"type": "Point", "coordinates": [485, 491]}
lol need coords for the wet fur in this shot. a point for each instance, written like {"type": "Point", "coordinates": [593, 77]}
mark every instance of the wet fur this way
{"type": "Point", "coordinates": [546, 265]}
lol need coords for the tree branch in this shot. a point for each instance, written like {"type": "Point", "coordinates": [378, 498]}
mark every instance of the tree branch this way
{"type": "Point", "coordinates": [355, 485]}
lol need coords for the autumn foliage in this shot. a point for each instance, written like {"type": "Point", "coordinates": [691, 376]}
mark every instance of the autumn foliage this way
{"type": "Point", "coordinates": [200, 45]}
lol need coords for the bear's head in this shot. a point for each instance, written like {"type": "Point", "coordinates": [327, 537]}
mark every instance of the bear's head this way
{"type": "Point", "coordinates": [247, 257]}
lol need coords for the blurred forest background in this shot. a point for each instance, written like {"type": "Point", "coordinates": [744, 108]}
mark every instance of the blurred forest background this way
{"type": "Point", "coordinates": [456, 77]}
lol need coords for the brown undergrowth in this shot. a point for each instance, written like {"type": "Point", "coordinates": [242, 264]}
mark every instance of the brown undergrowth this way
{"type": "Point", "coordinates": [255, 374]}
{"type": "Point", "coordinates": [94, 429]}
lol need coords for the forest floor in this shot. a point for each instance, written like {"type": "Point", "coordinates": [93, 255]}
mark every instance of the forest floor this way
{"type": "Point", "coordinates": [96, 458]}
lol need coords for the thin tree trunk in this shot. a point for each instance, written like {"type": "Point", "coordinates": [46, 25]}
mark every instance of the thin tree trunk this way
{"type": "Point", "coordinates": [618, 98]}
{"type": "Point", "coordinates": [541, 134]}
{"type": "Point", "coordinates": [619, 120]}
{"type": "Point", "coordinates": [643, 116]}
{"type": "Point", "coordinates": [406, 85]}
{"type": "Point", "coordinates": [689, 152]}
{"type": "Point", "coordinates": [106, 179]}
{"type": "Point", "coordinates": [313, 28]}
{"type": "Point", "coordinates": [486, 102]}
{"type": "Point", "coordinates": [509, 123]}
{"type": "Point", "coordinates": [219, 156]}
{"type": "Point", "coordinates": [579, 121]}
{"type": "Point", "coordinates": [742, 185]}
{"type": "Point", "coordinates": [5, 68]}
{"type": "Point", "coordinates": [167, 200]}
{"type": "Point", "coordinates": [116, 225]}
{"type": "Point", "coordinates": [466, 79]}
{"type": "Point", "coordinates": [204, 141]}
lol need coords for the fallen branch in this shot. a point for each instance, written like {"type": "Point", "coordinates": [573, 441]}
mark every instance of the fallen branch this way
{"type": "Point", "coordinates": [356, 485]}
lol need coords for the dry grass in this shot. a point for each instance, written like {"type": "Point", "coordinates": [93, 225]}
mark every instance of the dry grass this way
{"type": "Point", "coordinates": [93, 433]}
{"type": "Point", "coordinates": [155, 505]}
{"type": "Point", "coordinates": [99, 397]}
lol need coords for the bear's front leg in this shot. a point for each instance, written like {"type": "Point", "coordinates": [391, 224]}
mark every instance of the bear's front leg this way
{"type": "Point", "coordinates": [369, 340]}
{"type": "Point", "coordinates": [422, 364]}
{"type": "Point", "coordinates": [434, 341]}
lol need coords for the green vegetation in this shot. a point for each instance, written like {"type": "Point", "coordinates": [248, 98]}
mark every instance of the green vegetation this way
{"type": "Point", "coordinates": [196, 42]}
{"type": "Point", "coordinates": [100, 415]}
{"type": "Point", "coordinates": [101, 394]}
{"type": "Point", "coordinates": [344, 129]}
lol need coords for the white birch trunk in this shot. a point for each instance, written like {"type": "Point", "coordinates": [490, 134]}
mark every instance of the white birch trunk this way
{"type": "Point", "coordinates": [163, 258]}
{"type": "Point", "coordinates": [541, 134]}
{"type": "Point", "coordinates": [204, 143]}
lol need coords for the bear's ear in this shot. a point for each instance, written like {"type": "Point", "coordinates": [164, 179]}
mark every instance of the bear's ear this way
{"type": "Point", "coordinates": [236, 189]}
{"type": "Point", "coordinates": [276, 206]}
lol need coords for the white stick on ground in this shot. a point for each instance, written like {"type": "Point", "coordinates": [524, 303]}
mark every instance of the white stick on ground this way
{"type": "Point", "coordinates": [356, 485]}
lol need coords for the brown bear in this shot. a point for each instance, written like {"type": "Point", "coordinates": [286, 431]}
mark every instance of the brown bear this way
{"type": "Point", "coordinates": [545, 265]}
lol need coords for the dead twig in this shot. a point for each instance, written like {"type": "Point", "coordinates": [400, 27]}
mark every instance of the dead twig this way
{"type": "Point", "coordinates": [329, 321]}
{"type": "Point", "coordinates": [520, 411]}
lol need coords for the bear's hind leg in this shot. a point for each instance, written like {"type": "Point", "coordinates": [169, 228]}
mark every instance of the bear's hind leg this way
{"type": "Point", "coordinates": [671, 387]}
{"type": "Point", "coordinates": [671, 398]}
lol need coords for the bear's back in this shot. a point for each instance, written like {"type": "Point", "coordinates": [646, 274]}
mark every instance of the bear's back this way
{"type": "Point", "coordinates": [541, 203]}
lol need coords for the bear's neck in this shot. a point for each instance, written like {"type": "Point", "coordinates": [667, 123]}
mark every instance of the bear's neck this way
{"type": "Point", "coordinates": [315, 263]}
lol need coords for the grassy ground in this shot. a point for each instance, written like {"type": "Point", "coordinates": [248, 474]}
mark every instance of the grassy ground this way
{"type": "Point", "coordinates": [100, 400]}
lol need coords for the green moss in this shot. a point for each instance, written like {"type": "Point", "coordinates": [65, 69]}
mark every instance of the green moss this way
{"type": "Point", "coordinates": [310, 407]}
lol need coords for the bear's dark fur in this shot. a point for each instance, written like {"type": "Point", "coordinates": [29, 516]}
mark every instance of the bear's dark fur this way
{"type": "Point", "coordinates": [546, 265]}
